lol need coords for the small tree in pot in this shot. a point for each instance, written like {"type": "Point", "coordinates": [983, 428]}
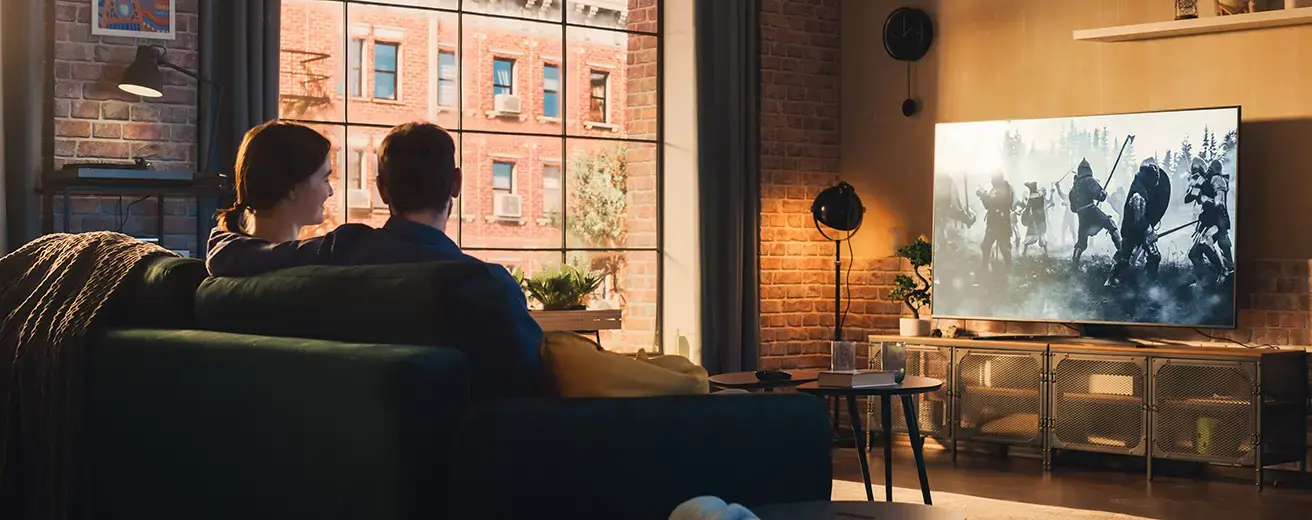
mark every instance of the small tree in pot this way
{"type": "Point", "coordinates": [914, 292]}
{"type": "Point", "coordinates": [565, 289]}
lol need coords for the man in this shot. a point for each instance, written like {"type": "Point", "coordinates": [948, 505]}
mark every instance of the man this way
{"type": "Point", "coordinates": [1209, 189]}
{"type": "Point", "coordinates": [1084, 197]}
{"type": "Point", "coordinates": [1150, 194]}
{"type": "Point", "coordinates": [1034, 216]}
{"type": "Point", "coordinates": [417, 179]}
{"type": "Point", "coordinates": [997, 201]}
{"type": "Point", "coordinates": [1067, 234]}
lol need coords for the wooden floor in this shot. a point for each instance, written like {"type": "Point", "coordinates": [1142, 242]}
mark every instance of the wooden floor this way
{"type": "Point", "coordinates": [1080, 481]}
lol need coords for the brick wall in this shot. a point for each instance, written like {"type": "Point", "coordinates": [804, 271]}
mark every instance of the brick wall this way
{"type": "Point", "coordinates": [800, 48]}
{"type": "Point", "coordinates": [96, 122]}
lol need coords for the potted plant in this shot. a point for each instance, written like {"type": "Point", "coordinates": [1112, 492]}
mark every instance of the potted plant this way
{"type": "Point", "coordinates": [565, 289]}
{"type": "Point", "coordinates": [914, 292]}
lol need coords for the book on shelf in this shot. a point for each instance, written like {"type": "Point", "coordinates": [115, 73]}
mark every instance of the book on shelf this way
{"type": "Point", "coordinates": [857, 378]}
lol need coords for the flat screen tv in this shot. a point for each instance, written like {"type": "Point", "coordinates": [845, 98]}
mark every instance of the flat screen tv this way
{"type": "Point", "coordinates": [1126, 219]}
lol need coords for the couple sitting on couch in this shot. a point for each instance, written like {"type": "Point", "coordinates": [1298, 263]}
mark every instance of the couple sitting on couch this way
{"type": "Point", "coordinates": [282, 184]}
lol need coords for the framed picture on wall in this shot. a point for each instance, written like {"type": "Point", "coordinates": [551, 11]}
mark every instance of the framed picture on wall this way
{"type": "Point", "coordinates": [154, 19]}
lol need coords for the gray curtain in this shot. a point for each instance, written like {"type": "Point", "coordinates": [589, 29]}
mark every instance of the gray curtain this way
{"type": "Point", "coordinates": [28, 62]}
{"type": "Point", "coordinates": [239, 48]}
{"type": "Point", "coordinates": [728, 108]}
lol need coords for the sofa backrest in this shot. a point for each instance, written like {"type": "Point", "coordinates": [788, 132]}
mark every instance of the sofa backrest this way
{"type": "Point", "coordinates": [158, 293]}
{"type": "Point", "coordinates": [456, 304]}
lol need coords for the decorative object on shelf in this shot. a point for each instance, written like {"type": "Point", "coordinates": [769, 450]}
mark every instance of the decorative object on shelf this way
{"type": "Point", "coordinates": [914, 292]}
{"type": "Point", "coordinates": [565, 289]}
{"type": "Point", "coordinates": [1230, 7]}
{"type": "Point", "coordinates": [893, 358]}
{"type": "Point", "coordinates": [154, 19]}
{"type": "Point", "coordinates": [839, 208]}
{"type": "Point", "coordinates": [1186, 9]}
{"type": "Point", "coordinates": [842, 356]}
{"type": "Point", "coordinates": [908, 34]}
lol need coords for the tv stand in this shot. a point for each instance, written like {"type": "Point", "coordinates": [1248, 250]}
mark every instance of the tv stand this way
{"type": "Point", "coordinates": [1088, 334]}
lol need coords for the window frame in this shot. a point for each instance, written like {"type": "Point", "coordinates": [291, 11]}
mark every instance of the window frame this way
{"type": "Point", "coordinates": [355, 90]}
{"type": "Point", "coordinates": [453, 82]}
{"type": "Point", "coordinates": [512, 166]}
{"type": "Point", "coordinates": [396, 73]}
{"type": "Point", "coordinates": [555, 91]}
{"type": "Point", "coordinates": [604, 98]}
{"type": "Point", "coordinates": [510, 85]}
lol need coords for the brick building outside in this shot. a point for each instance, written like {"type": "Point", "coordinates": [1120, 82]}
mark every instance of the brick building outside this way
{"type": "Point", "coordinates": [556, 126]}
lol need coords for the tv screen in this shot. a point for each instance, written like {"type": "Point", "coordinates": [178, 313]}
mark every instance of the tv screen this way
{"type": "Point", "coordinates": [1117, 219]}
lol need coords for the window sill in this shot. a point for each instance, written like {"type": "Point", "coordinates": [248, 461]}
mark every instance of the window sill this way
{"type": "Point", "coordinates": [543, 221]}
{"type": "Point", "coordinates": [493, 114]}
{"type": "Point", "coordinates": [593, 125]}
{"type": "Point", "coordinates": [382, 101]}
{"type": "Point", "coordinates": [514, 221]}
{"type": "Point", "coordinates": [467, 218]}
{"type": "Point", "coordinates": [442, 109]}
{"type": "Point", "coordinates": [549, 120]}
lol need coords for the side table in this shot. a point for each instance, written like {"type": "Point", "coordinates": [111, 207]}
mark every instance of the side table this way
{"type": "Point", "coordinates": [910, 387]}
{"type": "Point", "coordinates": [749, 381]}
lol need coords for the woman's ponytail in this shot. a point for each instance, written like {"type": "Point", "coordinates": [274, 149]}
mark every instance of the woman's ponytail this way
{"type": "Point", "coordinates": [231, 219]}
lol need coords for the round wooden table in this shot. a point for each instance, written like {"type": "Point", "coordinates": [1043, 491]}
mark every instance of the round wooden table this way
{"type": "Point", "coordinates": [850, 510]}
{"type": "Point", "coordinates": [749, 381]}
{"type": "Point", "coordinates": [911, 387]}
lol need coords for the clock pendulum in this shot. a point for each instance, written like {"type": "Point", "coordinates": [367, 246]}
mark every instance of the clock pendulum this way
{"type": "Point", "coordinates": [908, 34]}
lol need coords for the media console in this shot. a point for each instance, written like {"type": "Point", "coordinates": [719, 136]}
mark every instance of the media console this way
{"type": "Point", "coordinates": [1226, 406]}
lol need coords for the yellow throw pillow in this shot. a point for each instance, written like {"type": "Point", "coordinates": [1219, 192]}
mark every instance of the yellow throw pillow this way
{"type": "Point", "coordinates": [578, 368]}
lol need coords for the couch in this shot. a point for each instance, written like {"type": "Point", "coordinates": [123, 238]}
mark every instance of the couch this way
{"type": "Point", "coordinates": [347, 392]}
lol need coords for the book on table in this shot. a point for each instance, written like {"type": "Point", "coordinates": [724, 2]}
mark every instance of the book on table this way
{"type": "Point", "coordinates": [857, 378]}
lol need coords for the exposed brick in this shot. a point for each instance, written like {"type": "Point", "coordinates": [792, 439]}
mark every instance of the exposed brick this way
{"type": "Point", "coordinates": [72, 129]}
{"type": "Point", "coordinates": [85, 110]}
{"type": "Point", "coordinates": [103, 149]}
{"type": "Point", "coordinates": [145, 132]}
{"type": "Point", "coordinates": [107, 131]}
{"type": "Point", "coordinates": [116, 110]}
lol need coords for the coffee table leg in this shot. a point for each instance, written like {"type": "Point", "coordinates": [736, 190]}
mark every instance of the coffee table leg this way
{"type": "Point", "coordinates": [860, 442]}
{"type": "Point", "coordinates": [886, 422]}
{"type": "Point", "coordinates": [917, 443]}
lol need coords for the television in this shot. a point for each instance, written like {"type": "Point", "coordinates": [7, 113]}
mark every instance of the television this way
{"type": "Point", "coordinates": [1122, 219]}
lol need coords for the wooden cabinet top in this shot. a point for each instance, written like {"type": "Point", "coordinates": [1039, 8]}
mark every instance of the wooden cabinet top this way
{"type": "Point", "coordinates": [1085, 345]}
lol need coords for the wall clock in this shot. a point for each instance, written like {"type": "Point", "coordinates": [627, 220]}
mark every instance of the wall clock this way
{"type": "Point", "coordinates": [908, 34]}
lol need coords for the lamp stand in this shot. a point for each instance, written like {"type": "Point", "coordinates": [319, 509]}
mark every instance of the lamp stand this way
{"type": "Point", "coordinates": [838, 290]}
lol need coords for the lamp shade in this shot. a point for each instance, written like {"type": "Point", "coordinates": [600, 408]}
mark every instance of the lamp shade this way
{"type": "Point", "coordinates": [143, 76]}
{"type": "Point", "coordinates": [838, 207]}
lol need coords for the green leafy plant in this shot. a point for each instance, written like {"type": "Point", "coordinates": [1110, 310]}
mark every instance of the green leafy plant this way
{"type": "Point", "coordinates": [566, 288]}
{"type": "Point", "coordinates": [914, 292]}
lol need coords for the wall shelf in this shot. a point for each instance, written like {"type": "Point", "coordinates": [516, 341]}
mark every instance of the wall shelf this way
{"type": "Point", "coordinates": [1205, 25]}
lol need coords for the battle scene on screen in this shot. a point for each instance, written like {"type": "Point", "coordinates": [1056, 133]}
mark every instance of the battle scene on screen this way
{"type": "Point", "coordinates": [1121, 218]}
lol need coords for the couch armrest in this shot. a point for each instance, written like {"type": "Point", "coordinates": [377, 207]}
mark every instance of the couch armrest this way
{"type": "Point", "coordinates": [198, 424]}
{"type": "Point", "coordinates": [640, 457]}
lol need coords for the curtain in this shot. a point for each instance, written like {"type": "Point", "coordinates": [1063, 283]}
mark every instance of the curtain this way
{"type": "Point", "coordinates": [239, 50]}
{"type": "Point", "coordinates": [728, 107]}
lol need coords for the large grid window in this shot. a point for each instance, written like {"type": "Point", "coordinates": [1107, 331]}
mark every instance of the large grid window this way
{"type": "Point", "coordinates": [544, 184]}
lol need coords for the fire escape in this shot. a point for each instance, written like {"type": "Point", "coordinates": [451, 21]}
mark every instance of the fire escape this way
{"type": "Point", "coordinates": [309, 90]}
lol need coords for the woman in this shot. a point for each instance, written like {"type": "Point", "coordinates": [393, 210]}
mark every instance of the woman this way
{"type": "Point", "coordinates": [281, 183]}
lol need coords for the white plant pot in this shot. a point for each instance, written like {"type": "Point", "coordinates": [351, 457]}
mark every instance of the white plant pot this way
{"type": "Point", "coordinates": [914, 327]}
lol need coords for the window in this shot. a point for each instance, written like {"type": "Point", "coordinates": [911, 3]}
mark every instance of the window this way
{"type": "Point", "coordinates": [544, 186]}
{"type": "Point", "coordinates": [385, 68]}
{"type": "Point", "coordinates": [446, 79]}
{"type": "Point", "coordinates": [503, 177]}
{"type": "Point", "coordinates": [551, 195]}
{"type": "Point", "coordinates": [597, 93]}
{"type": "Point", "coordinates": [503, 76]}
{"type": "Point", "coordinates": [354, 51]}
{"type": "Point", "coordinates": [551, 92]}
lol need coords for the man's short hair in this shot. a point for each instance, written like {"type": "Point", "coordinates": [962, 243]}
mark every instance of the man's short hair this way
{"type": "Point", "coordinates": [416, 163]}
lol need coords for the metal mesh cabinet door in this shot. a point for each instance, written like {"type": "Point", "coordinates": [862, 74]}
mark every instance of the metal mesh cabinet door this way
{"type": "Point", "coordinates": [999, 396]}
{"type": "Point", "coordinates": [934, 414]}
{"type": "Point", "coordinates": [1098, 403]}
{"type": "Point", "coordinates": [1203, 410]}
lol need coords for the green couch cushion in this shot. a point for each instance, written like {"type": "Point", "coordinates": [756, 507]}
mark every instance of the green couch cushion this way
{"type": "Point", "coordinates": [454, 304]}
{"type": "Point", "coordinates": [159, 292]}
{"type": "Point", "coordinates": [210, 425]}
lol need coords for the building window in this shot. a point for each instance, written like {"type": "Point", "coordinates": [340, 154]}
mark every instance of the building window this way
{"type": "Point", "coordinates": [551, 195]}
{"type": "Point", "coordinates": [503, 177]}
{"type": "Point", "coordinates": [354, 52]}
{"type": "Point", "coordinates": [355, 169]}
{"type": "Point", "coordinates": [551, 91]}
{"type": "Point", "coordinates": [446, 79]}
{"type": "Point", "coordinates": [503, 76]}
{"type": "Point", "coordinates": [599, 89]}
{"type": "Point", "coordinates": [385, 70]}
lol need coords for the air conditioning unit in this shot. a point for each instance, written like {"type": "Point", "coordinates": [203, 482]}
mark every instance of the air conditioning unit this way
{"type": "Point", "coordinates": [506, 103]}
{"type": "Point", "coordinates": [507, 205]}
{"type": "Point", "coordinates": [359, 199]}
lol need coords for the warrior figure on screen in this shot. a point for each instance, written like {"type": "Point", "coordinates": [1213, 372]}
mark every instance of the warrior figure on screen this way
{"type": "Point", "coordinates": [1034, 216]}
{"type": "Point", "coordinates": [1150, 195]}
{"type": "Point", "coordinates": [1066, 234]}
{"type": "Point", "coordinates": [955, 215]}
{"type": "Point", "coordinates": [997, 201]}
{"type": "Point", "coordinates": [1084, 197]}
{"type": "Point", "coordinates": [1211, 253]}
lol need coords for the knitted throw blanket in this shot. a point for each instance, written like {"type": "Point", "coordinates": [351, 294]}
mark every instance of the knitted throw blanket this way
{"type": "Point", "coordinates": [51, 291]}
